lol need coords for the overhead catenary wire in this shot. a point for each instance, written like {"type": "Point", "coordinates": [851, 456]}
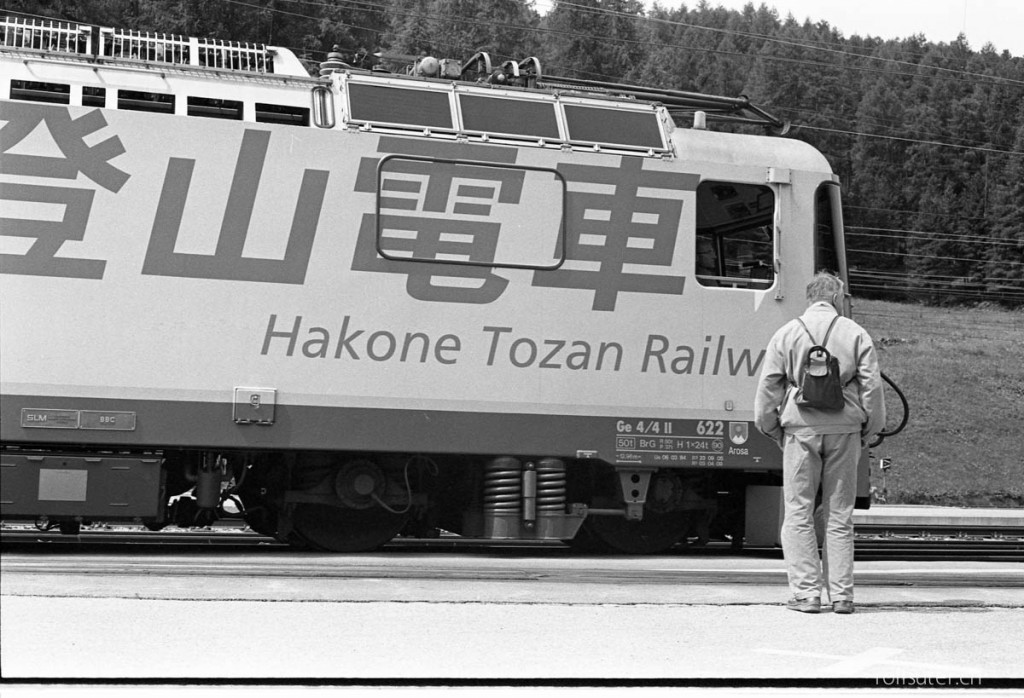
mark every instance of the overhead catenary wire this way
{"type": "Point", "coordinates": [470, 21]}
{"type": "Point", "coordinates": [932, 256]}
{"type": "Point", "coordinates": [901, 234]}
{"type": "Point", "coordinates": [809, 44]}
{"type": "Point", "coordinates": [937, 214]}
{"type": "Point", "coordinates": [875, 278]}
{"type": "Point", "coordinates": [860, 121]}
{"type": "Point", "coordinates": [939, 278]}
{"type": "Point", "coordinates": [967, 76]}
{"type": "Point", "coordinates": [389, 8]}
{"type": "Point", "coordinates": [911, 140]}
{"type": "Point", "coordinates": [777, 40]}
{"type": "Point", "coordinates": [931, 290]}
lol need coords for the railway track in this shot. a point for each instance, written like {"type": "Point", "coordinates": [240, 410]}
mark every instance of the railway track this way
{"type": "Point", "coordinates": [911, 543]}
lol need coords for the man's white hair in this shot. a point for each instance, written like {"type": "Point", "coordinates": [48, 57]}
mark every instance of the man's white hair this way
{"type": "Point", "coordinates": [824, 287]}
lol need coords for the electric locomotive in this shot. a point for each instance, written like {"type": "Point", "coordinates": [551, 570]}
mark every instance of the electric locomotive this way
{"type": "Point", "coordinates": [468, 298]}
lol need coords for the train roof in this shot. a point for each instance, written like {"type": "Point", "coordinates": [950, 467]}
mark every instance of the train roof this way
{"type": "Point", "coordinates": [742, 149]}
{"type": "Point", "coordinates": [56, 40]}
{"type": "Point", "coordinates": [514, 102]}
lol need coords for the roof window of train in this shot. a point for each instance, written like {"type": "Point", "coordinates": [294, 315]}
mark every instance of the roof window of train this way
{"type": "Point", "coordinates": [621, 127]}
{"type": "Point", "coordinates": [32, 91]}
{"type": "Point", "coordinates": [399, 106]}
{"type": "Point", "coordinates": [145, 101]}
{"type": "Point", "coordinates": [94, 96]}
{"type": "Point", "coordinates": [514, 117]}
{"type": "Point", "coordinates": [734, 235]}
{"type": "Point", "coordinates": [215, 108]}
{"type": "Point", "coordinates": [281, 114]}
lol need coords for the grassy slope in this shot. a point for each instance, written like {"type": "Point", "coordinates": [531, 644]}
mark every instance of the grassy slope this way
{"type": "Point", "coordinates": [962, 371]}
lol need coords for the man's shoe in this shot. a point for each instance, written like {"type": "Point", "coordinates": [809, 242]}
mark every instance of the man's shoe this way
{"type": "Point", "coordinates": [810, 605]}
{"type": "Point", "coordinates": [842, 607]}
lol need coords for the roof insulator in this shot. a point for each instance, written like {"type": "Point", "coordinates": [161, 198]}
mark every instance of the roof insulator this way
{"type": "Point", "coordinates": [333, 62]}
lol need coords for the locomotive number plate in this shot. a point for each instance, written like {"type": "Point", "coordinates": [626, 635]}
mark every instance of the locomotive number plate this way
{"type": "Point", "coordinates": [691, 443]}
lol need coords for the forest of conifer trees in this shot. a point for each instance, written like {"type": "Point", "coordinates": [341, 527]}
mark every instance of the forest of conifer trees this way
{"type": "Point", "coordinates": [927, 138]}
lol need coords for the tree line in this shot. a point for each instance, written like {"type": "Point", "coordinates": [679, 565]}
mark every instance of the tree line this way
{"type": "Point", "coordinates": [927, 137]}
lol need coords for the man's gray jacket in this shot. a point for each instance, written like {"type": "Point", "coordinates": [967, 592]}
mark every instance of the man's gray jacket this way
{"type": "Point", "coordinates": [774, 408]}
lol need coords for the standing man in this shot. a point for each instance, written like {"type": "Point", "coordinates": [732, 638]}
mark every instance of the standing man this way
{"type": "Point", "coordinates": [820, 448]}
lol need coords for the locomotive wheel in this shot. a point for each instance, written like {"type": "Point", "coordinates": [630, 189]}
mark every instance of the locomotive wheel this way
{"type": "Point", "coordinates": [338, 530]}
{"type": "Point", "coordinates": [656, 533]}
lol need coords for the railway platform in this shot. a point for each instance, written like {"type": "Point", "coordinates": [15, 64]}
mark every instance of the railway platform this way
{"type": "Point", "coordinates": [906, 515]}
{"type": "Point", "coordinates": [519, 617]}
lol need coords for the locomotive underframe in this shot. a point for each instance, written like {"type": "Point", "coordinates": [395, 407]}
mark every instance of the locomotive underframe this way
{"type": "Point", "coordinates": [349, 501]}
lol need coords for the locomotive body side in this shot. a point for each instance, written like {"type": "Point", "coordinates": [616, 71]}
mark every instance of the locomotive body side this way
{"type": "Point", "coordinates": [317, 310]}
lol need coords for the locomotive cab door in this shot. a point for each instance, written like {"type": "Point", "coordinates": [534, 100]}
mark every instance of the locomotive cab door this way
{"type": "Point", "coordinates": [830, 254]}
{"type": "Point", "coordinates": [829, 239]}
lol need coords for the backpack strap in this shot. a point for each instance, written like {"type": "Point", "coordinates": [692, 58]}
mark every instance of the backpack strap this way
{"type": "Point", "coordinates": [829, 332]}
{"type": "Point", "coordinates": [831, 325]}
{"type": "Point", "coordinates": [813, 340]}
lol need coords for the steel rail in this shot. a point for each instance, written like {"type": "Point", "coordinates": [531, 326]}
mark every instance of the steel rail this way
{"type": "Point", "coordinates": [918, 546]}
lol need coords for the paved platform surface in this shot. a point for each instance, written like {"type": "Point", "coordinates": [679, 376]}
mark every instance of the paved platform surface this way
{"type": "Point", "coordinates": [454, 578]}
{"type": "Point", "coordinates": [923, 515]}
{"type": "Point", "coordinates": [588, 638]}
{"type": "Point", "coordinates": [435, 617]}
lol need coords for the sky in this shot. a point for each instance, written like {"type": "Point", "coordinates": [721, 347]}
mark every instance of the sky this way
{"type": "Point", "coordinates": [999, 22]}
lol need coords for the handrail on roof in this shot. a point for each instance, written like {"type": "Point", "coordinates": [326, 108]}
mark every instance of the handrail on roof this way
{"type": "Point", "coordinates": [110, 43]}
{"type": "Point", "coordinates": [45, 35]}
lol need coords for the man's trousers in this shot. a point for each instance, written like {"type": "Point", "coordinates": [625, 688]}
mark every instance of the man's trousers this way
{"type": "Point", "coordinates": [828, 461]}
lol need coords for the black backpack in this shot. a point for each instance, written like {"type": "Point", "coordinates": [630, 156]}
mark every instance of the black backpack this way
{"type": "Point", "coordinates": [820, 387]}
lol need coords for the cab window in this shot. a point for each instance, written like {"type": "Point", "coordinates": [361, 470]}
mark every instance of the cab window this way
{"type": "Point", "coordinates": [734, 235]}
